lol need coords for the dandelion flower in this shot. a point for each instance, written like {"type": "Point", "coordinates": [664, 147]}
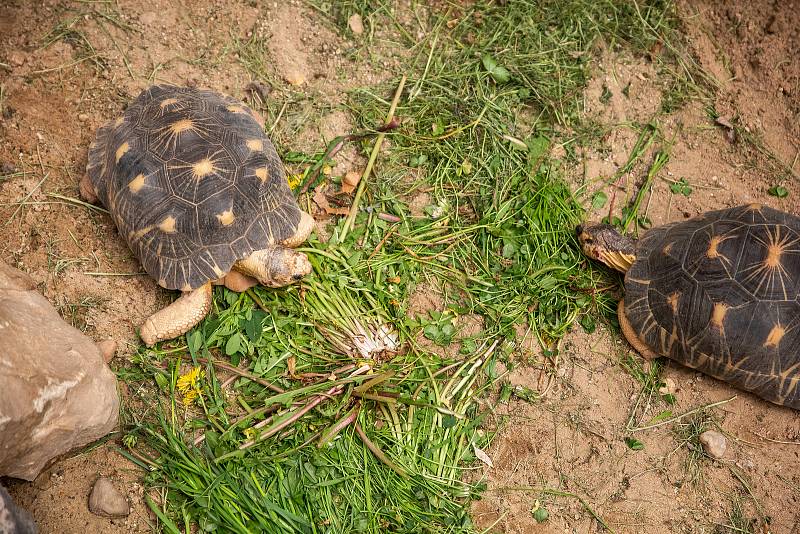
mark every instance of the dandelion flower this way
{"type": "Point", "coordinates": [294, 180]}
{"type": "Point", "coordinates": [188, 385]}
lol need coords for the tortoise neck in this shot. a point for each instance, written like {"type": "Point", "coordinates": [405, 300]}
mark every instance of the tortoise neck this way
{"type": "Point", "coordinates": [619, 260]}
{"type": "Point", "coordinates": [619, 251]}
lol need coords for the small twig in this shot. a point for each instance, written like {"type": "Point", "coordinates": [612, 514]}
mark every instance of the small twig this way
{"type": "Point", "coordinates": [348, 223]}
{"type": "Point", "coordinates": [278, 118]}
{"type": "Point", "coordinates": [382, 242]}
{"type": "Point", "coordinates": [77, 202]}
{"type": "Point", "coordinates": [340, 425]}
{"type": "Point", "coordinates": [335, 146]}
{"type": "Point", "coordinates": [679, 417]}
{"type": "Point", "coordinates": [775, 440]}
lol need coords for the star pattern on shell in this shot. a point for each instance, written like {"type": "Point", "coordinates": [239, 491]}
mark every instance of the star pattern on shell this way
{"type": "Point", "coordinates": [721, 294]}
{"type": "Point", "coordinates": [192, 182]}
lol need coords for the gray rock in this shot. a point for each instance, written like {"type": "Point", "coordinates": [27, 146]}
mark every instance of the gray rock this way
{"type": "Point", "coordinates": [106, 501]}
{"type": "Point", "coordinates": [57, 393]}
{"type": "Point", "coordinates": [14, 520]}
{"type": "Point", "coordinates": [714, 444]}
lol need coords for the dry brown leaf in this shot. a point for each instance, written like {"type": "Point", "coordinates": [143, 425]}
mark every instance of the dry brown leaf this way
{"type": "Point", "coordinates": [350, 181]}
{"type": "Point", "coordinates": [321, 200]}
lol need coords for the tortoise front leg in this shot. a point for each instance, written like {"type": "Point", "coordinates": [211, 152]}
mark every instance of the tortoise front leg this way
{"type": "Point", "coordinates": [177, 318]}
{"type": "Point", "coordinates": [304, 229]}
{"type": "Point", "coordinates": [87, 190]}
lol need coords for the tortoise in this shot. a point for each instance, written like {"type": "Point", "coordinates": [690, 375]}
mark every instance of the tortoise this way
{"type": "Point", "coordinates": [199, 194]}
{"type": "Point", "coordinates": [718, 293]}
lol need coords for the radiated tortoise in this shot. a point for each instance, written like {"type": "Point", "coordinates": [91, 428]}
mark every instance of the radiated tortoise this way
{"type": "Point", "coordinates": [199, 194]}
{"type": "Point", "coordinates": [717, 293]}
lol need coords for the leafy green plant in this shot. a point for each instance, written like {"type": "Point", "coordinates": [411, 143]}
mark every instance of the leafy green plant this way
{"type": "Point", "coordinates": [778, 191]}
{"type": "Point", "coordinates": [681, 187]}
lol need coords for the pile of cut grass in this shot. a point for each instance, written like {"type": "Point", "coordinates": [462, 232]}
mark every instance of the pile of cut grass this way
{"type": "Point", "coordinates": [382, 451]}
{"type": "Point", "coordinates": [490, 89]}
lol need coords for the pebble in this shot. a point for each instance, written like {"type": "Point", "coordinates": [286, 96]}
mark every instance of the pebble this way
{"type": "Point", "coordinates": [356, 24]}
{"type": "Point", "coordinates": [17, 58]}
{"type": "Point", "coordinates": [108, 348]}
{"type": "Point", "coordinates": [669, 387]}
{"type": "Point", "coordinates": [107, 501]}
{"type": "Point", "coordinates": [714, 443]}
{"type": "Point", "coordinates": [295, 77]}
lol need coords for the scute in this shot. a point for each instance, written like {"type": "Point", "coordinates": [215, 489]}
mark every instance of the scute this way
{"type": "Point", "coordinates": [729, 308]}
{"type": "Point", "coordinates": [188, 158]}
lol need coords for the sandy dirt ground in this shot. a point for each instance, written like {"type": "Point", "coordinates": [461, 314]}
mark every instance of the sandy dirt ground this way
{"type": "Point", "coordinates": [54, 97]}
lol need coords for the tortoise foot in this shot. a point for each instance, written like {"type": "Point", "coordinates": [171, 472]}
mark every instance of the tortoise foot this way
{"type": "Point", "coordinates": [177, 318]}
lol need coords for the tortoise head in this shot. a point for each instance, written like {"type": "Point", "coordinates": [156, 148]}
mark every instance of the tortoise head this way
{"type": "Point", "coordinates": [602, 242]}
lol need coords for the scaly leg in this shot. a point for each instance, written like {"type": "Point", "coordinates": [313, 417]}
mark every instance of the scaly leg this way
{"type": "Point", "coordinates": [304, 229]}
{"type": "Point", "coordinates": [177, 318]}
{"type": "Point", "coordinates": [236, 281]}
{"type": "Point", "coordinates": [87, 190]}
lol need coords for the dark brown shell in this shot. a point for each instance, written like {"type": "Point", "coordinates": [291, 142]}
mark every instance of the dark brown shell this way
{"type": "Point", "coordinates": [719, 293]}
{"type": "Point", "coordinates": [192, 183]}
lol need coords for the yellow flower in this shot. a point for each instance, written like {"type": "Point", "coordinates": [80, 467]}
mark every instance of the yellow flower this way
{"type": "Point", "coordinates": [188, 385]}
{"type": "Point", "coordinates": [294, 180]}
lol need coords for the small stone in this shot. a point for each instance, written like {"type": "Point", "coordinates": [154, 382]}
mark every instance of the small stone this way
{"type": "Point", "coordinates": [108, 348]}
{"type": "Point", "coordinates": [356, 24]}
{"type": "Point", "coordinates": [107, 501]}
{"type": "Point", "coordinates": [669, 387]}
{"type": "Point", "coordinates": [295, 77]}
{"type": "Point", "coordinates": [83, 117]}
{"type": "Point", "coordinates": [714, 443]}
{"type": "Point", "coordinates": [17, 58]}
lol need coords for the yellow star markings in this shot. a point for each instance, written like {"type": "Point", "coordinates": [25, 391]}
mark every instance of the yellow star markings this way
{"type": "Point", "coordinates": [226, 218]}
{"type": "Point", "coordinates": [672, 300]}
{"type": "Point", "coordinates": [262, 174]}
{"type": "Point", "coordinates": [121, 150]}
{"type": "Point", "coordinates": [169, 136]}
{"type": "Point", "coordinates": [197, 170]}
{"type": "Point", "coordinates": [203, 168]}
{"type": "Point", "coordinates": [713, 246]}
{"type": "Point", "coordinates": [775, 336]}
{"type": "Point", "coordinates": [167, 225]}
{"type": "Point", "coordinates": [167, 102]}
{"type": "Point", "coordinates": [137, 183]}
{"type": "Point", "coordinates": [255, 145]}
{"type": "Point", "coordinates": [713, 251]}
{"type": "Point", "coordinates": [770, 272]}
{"type": "Point", "coordinates": [718, 315]}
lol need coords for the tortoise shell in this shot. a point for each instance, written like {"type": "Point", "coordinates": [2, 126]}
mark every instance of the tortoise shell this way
{"type": "Point", "coordinates": [192, 183]}
{"type": "Point", "coordinates": [719, 293]}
